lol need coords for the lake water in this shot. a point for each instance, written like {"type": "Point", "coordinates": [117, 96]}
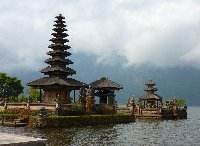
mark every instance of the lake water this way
{"type": "Point", "coordinates": [166, 133]}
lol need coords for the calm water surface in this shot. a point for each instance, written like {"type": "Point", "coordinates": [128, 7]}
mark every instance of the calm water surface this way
{"type": "Point", "coordinates": [156, 133]}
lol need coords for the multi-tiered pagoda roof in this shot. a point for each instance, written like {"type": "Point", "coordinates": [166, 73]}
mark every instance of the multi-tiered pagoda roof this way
{"type": "Point", "coordinates": [151, 91]}
{"type": "Point", "coordinates": [58, 70]}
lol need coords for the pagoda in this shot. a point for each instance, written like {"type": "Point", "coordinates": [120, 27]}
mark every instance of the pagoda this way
{"type": "Point", "coordinates": [151, 105]}
{"type": "Point", "coordinates": [58, 85]}
{"type": "Point", "coordinates": [151, 99]}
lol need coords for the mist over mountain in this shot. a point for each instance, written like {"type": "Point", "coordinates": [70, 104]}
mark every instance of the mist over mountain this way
{"type": "Point", "coordinates": [179, 82]}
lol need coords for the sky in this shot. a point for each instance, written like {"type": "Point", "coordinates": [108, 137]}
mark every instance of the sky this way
{"type": "Point", "coordinates": [158, 33]}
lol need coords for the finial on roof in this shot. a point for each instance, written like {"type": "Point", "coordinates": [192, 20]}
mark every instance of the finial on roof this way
{"type": "Point", "coordinates": [104, 78]}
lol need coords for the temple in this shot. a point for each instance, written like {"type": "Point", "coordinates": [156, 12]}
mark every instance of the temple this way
{"type": "Point", "coordinates": [58, 84]}
{"type": "Point", "coordinates": [150, 105]}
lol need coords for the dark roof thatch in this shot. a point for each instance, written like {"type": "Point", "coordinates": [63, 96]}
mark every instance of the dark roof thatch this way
{"type": "Point", "coordinates": [60, 16]}
{"type": "Point", "coordinates": [104, 83]}
{"type": "Point", "coordinates": [150, 82]}
{"type": "Point", "coordinates": [58, 52]}
{"type": "Point", "coordinates": [151, 89]}
{"type": "Point", "coordinates": [151, 96]}
{"type": "Point", "coordinates": [60, 34]}
{"type": "Point", "coordinates": [54, 59]}
{"type": "Point", "coordinates": [59, 40]}
{"type": "Point", "coordinates": [59, 46]}
{"type": "Point", "coordinates": [58, 81]}
{"type": "Point", "coordinates": [60, 69]}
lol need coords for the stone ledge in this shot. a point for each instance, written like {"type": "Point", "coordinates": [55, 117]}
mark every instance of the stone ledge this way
{"type": "Point", "coordinates": [7, 139]}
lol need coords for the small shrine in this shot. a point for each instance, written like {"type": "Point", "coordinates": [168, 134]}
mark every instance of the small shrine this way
{"type": "Point", "coordinates": [151, 99]}
{"type": "Point", "coordinates": [151, 105]}
{"type": "Point", "coordinates": [104, 89]}
{"type": "Point", "coordinates": [58, 84]}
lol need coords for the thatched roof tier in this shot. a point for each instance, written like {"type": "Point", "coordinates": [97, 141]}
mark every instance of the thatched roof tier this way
{"type": "Point", "coordinates": [62, 35]}
{"type": "Point", "coordinates": [61, 21]}
{"type": "Point", "coordinates": [56, 59]}
{"type": "Point", "coordinates": [151, 83]}
{"type": "Point", "coordinates": [105, 84]}
{"type": "Point", "coordinates": [60, 17]}
{"type": "Point", "coordinates": [59, 46]}
{"type": "Point", "coordinates": [59, 40]}
{"type": "Point", "coordinates": [57, 52]}
{"type": "Point", "coordinates": [151, 89]}
{"type": "Point", "coordinates": [151, 96]}
{"type": "Point", "coordinates": [63, 70]}
{"type": "Point", "coordinates": [59, 29]}
{"type": "Point", "coordinates": [57, 81]}
{"type": "Point", "coordinates": [59, 24]}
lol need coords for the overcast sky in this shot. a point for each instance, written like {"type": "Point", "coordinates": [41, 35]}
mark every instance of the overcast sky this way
{"type": "Point", "coordinates": [160, 33]}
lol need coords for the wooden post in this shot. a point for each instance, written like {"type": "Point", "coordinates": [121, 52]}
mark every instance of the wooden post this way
{"type": "Point", "coordinates": [74, 96]}
{"type": "Point", "coordinates": [40, 95]}
{"type": "Point", "coordinates": [157, 103]}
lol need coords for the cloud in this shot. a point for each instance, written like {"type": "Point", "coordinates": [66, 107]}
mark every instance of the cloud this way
{"type": "Point", "coordinates": [162, 33]}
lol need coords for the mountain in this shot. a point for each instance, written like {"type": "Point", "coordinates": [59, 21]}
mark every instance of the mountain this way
{"type": "Point", "coordinates": [179, 82]}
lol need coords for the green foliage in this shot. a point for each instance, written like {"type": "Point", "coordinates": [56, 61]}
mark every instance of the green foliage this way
{"type": "Point", "coordinates": [180, 102]}
{"type": "Point", "coordinates": [34, 113]}
{"type": "Point", "coordinates": [34, 94]}
{"type": "Point", "coordinates": [104, 109]}
{"type": "Point", "coordinates": [104, 78]}
{"type": "Point", "coordinates": [4, 113]}
{"type": "Point", "coordinates": [77, 109]}
{"type": "Point", "coordinates": [22, 98]}
{"type": "Point", "coordinates": [10, 87]}
{"type": "Point", "coordinates": [86, 120]}
{"type": "Point", "coordinates": [168, 99]}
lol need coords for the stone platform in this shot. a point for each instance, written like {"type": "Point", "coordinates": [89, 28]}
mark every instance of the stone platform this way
{"type": "Point", "coordinates": [7, 139]}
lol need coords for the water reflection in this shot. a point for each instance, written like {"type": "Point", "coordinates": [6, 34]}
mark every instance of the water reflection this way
{"type": "Point", "coordinates": [147, 132]}
{"type": "Point", "coordinates": [101, 135]}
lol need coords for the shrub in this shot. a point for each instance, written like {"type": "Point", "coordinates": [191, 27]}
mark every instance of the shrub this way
{"type": "Point", "coordinates": [85, 120]}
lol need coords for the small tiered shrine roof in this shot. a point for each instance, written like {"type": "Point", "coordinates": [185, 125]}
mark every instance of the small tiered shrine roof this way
{"type": "Point", "coordinates": [151, 91]}
{"type": "Point", "coordinates": [105, 83]}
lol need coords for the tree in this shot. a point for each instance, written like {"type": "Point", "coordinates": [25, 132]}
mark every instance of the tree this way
{"type": "Point", "coordinates": [34, 94]}
{"type": "Point", "coordinates": [10, 87]}
{"type": "Point", "coordinates": [180, 102]}
{"type": "Point", "coordinates": [22, 98]}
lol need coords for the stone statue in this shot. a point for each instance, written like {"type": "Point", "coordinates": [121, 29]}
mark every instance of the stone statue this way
{"type": "Point", "coordinates": [90, 99]}
{"type": "Point", "coordinates": [82, 96]}
{"type": "Point", "coordinates": [139, 103]}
